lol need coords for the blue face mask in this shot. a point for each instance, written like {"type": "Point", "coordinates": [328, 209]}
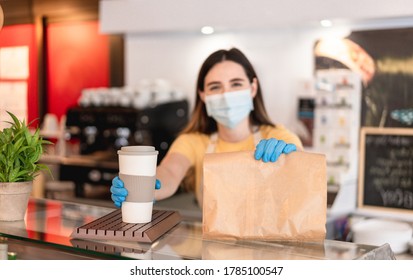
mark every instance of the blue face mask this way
{"type": "Point", "coordinates": [229, 108]}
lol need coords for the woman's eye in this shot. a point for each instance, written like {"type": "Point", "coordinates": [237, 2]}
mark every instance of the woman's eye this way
{"type": "Point", "coordinates": [237, 84]}
{"type": "Point", "coordinates": [214, 88]}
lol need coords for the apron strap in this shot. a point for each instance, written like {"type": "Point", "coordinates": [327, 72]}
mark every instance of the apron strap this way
{"type": "Point", "coordinates": [257, 136]}
{"type": "Point", "coordinates": [213, 140]}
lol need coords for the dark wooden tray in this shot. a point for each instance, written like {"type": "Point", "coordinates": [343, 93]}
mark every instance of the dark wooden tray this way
{"type": "Point", "coordinates": [111, 227]}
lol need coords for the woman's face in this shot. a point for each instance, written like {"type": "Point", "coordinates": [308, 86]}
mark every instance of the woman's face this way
{"type": "Point", "coordinates": [227, 76]}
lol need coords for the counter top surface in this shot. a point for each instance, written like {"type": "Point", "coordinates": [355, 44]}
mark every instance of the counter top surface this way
{"type": "Point", "coordinates": [50, 223]}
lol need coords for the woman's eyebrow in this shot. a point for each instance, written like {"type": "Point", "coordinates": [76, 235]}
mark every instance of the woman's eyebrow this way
{"type": "Point", "coordinates": [237, 80]}
{"type": "Point", "coordinates": [232, 80]}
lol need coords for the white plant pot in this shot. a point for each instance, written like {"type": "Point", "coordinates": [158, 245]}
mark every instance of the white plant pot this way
{"type": "Point", "coordinates": [14, 198]}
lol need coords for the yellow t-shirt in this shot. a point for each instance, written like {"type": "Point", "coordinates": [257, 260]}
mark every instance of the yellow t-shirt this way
{"type": "Point", "coordinates": [194, 146]}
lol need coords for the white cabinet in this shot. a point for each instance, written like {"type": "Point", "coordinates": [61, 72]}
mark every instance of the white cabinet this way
{"type": "Point", "coordinates": [336, 134]}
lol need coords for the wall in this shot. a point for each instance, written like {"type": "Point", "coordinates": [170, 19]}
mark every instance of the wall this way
{"type": "Point", "coordinates": [279, 42]}
{"type": "Point", "coordinates": [24, 35]}
{"type": "Point", "coordinates": [283, 59]}
{"type": "Point", "coordinates": [162, 39]}
{"type": "Point", "coordinates": [56, 42]}
{"type": "Point", "coordinates": [77, 58]}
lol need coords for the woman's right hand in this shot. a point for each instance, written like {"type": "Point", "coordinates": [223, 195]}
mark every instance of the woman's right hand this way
{"type": "Point", "coordinates": [119, 192]}
{"type": "Point", "coordinates": [271, 149]}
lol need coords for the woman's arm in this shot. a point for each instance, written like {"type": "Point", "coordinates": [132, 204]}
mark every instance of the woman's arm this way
{"type": "Point", "coordinates": [171, 172]}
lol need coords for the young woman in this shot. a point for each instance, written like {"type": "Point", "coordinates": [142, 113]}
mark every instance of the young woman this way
{"type": "Point", "coordinates": [229, 115]}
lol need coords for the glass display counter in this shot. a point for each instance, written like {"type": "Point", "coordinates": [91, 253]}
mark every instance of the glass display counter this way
{"type": "Point", "coordinates": [45, 233]}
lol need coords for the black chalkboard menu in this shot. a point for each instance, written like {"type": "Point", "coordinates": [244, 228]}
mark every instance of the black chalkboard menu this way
{"type": "Point", "coordinates": [386, 169]}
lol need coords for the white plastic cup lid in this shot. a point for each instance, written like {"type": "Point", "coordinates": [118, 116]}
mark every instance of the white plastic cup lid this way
{"type": "Point", "coordinates": [137, 150]}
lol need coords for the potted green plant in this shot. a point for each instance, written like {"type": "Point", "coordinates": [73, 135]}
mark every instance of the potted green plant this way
{"type": "Point", "coordinates": [20, 152]}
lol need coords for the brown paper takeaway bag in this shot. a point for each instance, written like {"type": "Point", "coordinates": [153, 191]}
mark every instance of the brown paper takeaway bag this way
{"type": "Point", "coordinates": [244, 198]}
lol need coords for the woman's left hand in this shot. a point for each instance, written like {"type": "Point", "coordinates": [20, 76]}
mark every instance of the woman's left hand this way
{"type": "Point", "coordinates": [271, 149]}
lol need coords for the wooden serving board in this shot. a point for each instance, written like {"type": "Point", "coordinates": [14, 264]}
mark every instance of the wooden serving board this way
{"type": "Point", "coordinates": [111, 227]}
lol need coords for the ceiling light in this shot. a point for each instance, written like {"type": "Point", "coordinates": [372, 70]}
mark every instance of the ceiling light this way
{"type": "Point", "coordinates": [207, 30]}
{"type": "Point", "coordinates": [326, 23]}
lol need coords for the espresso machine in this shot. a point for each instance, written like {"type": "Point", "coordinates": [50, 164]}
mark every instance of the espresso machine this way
{"type": "Point", "coordinates": [102, 131]}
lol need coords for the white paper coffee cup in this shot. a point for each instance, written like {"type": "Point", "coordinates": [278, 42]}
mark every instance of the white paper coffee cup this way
{"type": "Point", "coordinates": [137, 169]}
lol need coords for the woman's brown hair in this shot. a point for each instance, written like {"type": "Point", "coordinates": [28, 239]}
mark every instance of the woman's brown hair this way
{"type": "Point", "coordinates": [200, 121]}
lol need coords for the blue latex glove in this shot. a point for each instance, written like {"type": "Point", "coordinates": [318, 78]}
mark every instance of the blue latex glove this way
{"type": "Point", "coordinates": [271, 149]}
{"type": "Point", "coordinates": [119, 192]}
